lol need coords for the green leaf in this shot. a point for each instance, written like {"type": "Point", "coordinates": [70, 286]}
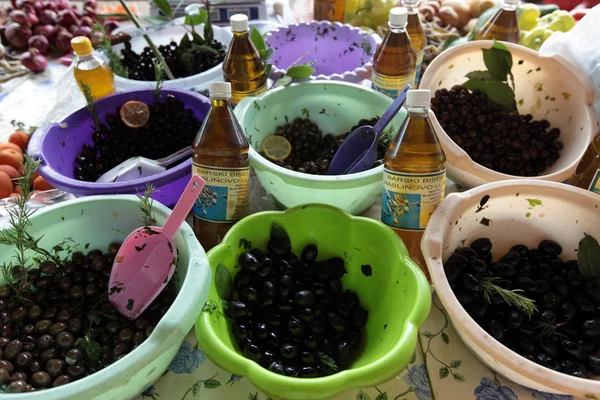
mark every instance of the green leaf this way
{"type": "Point", "coordinates": [197, 39]}
{"type": "Point", "coordinates": [165, 7]}
{"type": "Point", "coordinates": [455, 363]}
{"type": "Point", "coordinates": [269, 53]}
{"type": "Point", "coordinates": [476, 85]}
{"type": "Point", "coordinates": [588, 256]}
{"type": "Point", "coordinates": [208, 31]}
{"type": "Point", "coordinates": [444, 372]}
{"type": "Point", "coordinates": [224, 283]}
{"type": "Point", "coordinates": [284, 80]}
{"type": "Point", "coordinates": [445, 338]}
{"type": "Point", "coordinates": [268, 71]}
{"type": "Point", "coordinates": [279, 238]}
{"type": "Point", "coordinates": [495, 63]}
{"type": "Point", "coordinates": [362, 396]}
{"type": "Point", "coordinates": [300, 71]}
{"type": "Point", "coordinates": [258, 40]}
{"type": "Point", "coordinates": [505, 53]}
{"type": "Point", "coordinates": [157, 20]}
{"type": "Point", "coordinates": [90, 346]}
{"type": "Point", "coordinates": [479, 75]}
{"type": "Point", "coordinates": [382, 396]}
{"type": "Point", "coordinates": [211, 383]}
{"type": "Point", "coordinates": [500, 93]}
{"type": "Point", "coordinates": [185, 43]}
{"type": "Point", "coordinates": [196, 19]}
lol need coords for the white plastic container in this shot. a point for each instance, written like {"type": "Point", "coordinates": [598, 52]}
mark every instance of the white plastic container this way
{"type": "Point", "coordinates": [564, 214]}
{"type": "Point", "coordinates": [100, 220]}
{"type": "Point", "coordinates": [163, 36]}
{"type": "Point", "coordinates": [546, 87]}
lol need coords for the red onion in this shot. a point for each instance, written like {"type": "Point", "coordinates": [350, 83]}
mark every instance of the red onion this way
{"type": "Point", "coordinates": [48, 31]}
{"type": "Point", "coordinates": [39, 7]}
{"type": "Point", "coordinates": [84, 31]}
{"type": "Point", "coordinates": [50, 5]}
{"type": "Point", "coordinates": [66, 18]}
{"type": "Point", "coordinates": [63, 41]}
{"type": "Point", "coordinates": [39, 42]}
{"type": "Point", "coordinates": [90, 3]}
{"type": "Point", "coordinates": [33, 19]}
{"type": "Point", "coordinates": [78, 13]}
{"type": "Point", "coordinates": [20, 18]}
{"type": "Point", "coordinates": [33, 60]}
{"type": "Point", "coordinates": [64, 4]}
{"type": "Point", "coordinates": [73, 29]}
{"type": "Point", "coordinates": [90, 13]}
{"type": "Point", "coordinates": [16, 35]}
{"type": "Point", "coordinates": [86, 21]}
{"type": "Point", "coordinates": [110, 25]}
{"type": "Point", "coordinates": [49, 17]}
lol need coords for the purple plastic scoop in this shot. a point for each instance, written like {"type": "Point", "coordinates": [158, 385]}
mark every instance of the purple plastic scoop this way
{"type": "Point", "coordinates": [358, 152]}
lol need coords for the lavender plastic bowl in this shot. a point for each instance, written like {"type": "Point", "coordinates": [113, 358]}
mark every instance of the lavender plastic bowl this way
{"type": "Point", "coordinates": [340, 52]}
{"type": "Point", "coordinates": [57, 145]}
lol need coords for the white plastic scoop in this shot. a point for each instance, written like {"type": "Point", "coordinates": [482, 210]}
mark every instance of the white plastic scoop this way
{"type": "Point", "coordinates": [141, 167]}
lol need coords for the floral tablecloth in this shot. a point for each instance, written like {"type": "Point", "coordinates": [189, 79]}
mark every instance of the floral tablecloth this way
{"type": "Point", "coordinates": [441, 369]}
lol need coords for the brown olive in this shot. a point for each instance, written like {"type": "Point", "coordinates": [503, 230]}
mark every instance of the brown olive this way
{"type": "Point", "coordinates": [49, 313]}
{"type": "Point", "coordinates": [6, 331]}
{"type": "Point", "coordinates": [53, 297]}
{"type": "Point", "coordinates": [149, 329]}
{"type": "Point", "coordinates": [19, 314]}
{"type": "Point", "coordinates": [28, 329]}
{"type": "Point", "coordinates": [48, 268]}
{"type": "Point", "coordinates": [18, 376]}
{"type": "Point", "coordinates": [140, 323]}
{"type": "Point", "coordinates": [74, 356]}
{"type": "Point", "coordinates": [49, 354]}
{"type": "Point", "coordinates": [56, 328]}
{"type": "Point", "coordinates": [12, 350]}
{"type": "Point", "coordinates": [113, 327]}
{"type": "Point", "coordinates": [91, 289]}
{"type": "Point", "coordinates": [113, 249]}
{"type": "Point", "coordinates": [35, 366]}
{"type": "Point", "coordinates": [75, 325]}
{"type": "Point", "coordinates": [64, 340]}
{"type": "Point", "coordinates": [43, 326]}
{"type": "Point", "coordinates": [120, 348]}
{"type": "Point", "coordinates": [138, 338]}
{"type": "Point", "coordinates": [40, 296]}
{"type": "Point", "coordinates": [7, 365]}
{"type": "Point", "coordinates": [63, 316]}
{"type": "Point", "coordinates": [16, 387]}
{"type": "Point", "coordinates": [45, 341]}
{"type": "Point", "coordinates": [4, 341]}
{"type": "Point", "coordinates": [65, 283]}
{"type": "Point", "coordinates": [4, 376]}
{"type": "Point", "coordinates": [76, 292]}
{"type": "Point", "coordinates": [125, 335]}
{"type": "Point", "coordinates": [4, 292]}
{"type": "Point", "coordinates": [42, 283]}
{"type": "Point", "coordinates": [23, 360]}
{"type": "Point", "coordinates": [62, 380]}
{"type": "Point", "coordinates": [78, 258]}
{"type": "Point", "coordinates": [41, 379]}
{"type": "Point", "coordinates": [55, 367]}
{"type": "Point", "coordinates": [76, 371]}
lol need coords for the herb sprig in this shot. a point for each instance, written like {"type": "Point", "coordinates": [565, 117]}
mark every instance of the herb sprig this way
{"type": "Point", "coordinates": [145, 205]}
{"type": "Point", "coordinates": [113, 58]}
{"type": "Point", "coordinates": [510, 297]}
{"type": "Point", "coordinates": [495, 81]}
{"type": "Point", "coordinates": [91, 105]}
{"type": "Point", "coordinates": [299, 72]}
{"type": "Point", "coordinates": [159, 77]}
{"type": "Point", "coordinates": [20, 126]}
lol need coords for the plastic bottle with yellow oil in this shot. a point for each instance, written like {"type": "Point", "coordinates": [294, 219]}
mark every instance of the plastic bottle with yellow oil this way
{"type": "Point", "coordinates": [91, 69]}
{"type": "Point", "coordinates": [414, 175]}
{"type": "Point", "coordinates": [243, 67]}
{"type": "Point", "coordinates": [414, 27]}
{"type": "Point", "coordinates": [503, 25]}
{"type": "Point", "coordinates": [395, 61]}
{"type": "Point", "coordinates": [587, 174]}
{"type": "Point", "coordinates": [220, 157]}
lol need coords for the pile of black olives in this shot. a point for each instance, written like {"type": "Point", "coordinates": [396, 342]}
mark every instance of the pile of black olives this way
{"type": "Point", "coordinates": [292, 315]}
{"type": "Point", "coordinates": [563, 334]}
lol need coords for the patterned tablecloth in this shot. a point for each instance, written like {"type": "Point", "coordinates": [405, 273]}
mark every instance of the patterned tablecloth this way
{"type": "Point", "coordinates": [441, 369]}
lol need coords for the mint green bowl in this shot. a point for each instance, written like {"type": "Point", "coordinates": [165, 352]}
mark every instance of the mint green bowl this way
{"type": "Point", "coordinates": [335, 107]}
{"type": "Point", "coordinates": [397, 296]}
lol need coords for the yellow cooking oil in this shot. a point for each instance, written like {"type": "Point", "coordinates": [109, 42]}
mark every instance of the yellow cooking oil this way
{"type": "Point", "coordinates": [395, 61]}
{"type": "Point", "coordinates": [503, 25]}
{"type": "Point", "coordinates": [414, 175]}
{"type": "Point", "coordinates": [91, 70]}
{"type": "Point", "coordinates": [243, 67]}
{"type": "Point", "coordinates": [220, 156]}
{"type": "Point", "coordinates": [418, 40]}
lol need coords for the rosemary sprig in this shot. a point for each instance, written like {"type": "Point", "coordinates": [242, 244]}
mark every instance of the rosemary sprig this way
{"type": "Point", "coordinates": [91, 104]}
{"type": "Point", "coordinates": [159, 77]}
{"type": "Point", "coordinates": [511, 297]}
{"type": "Point", "coordinates": [145, 205]}
{"type": "Point", "coordinates": [113, 58]}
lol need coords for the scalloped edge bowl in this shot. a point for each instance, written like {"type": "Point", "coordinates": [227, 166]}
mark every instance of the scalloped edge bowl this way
{"type": "Point", "coordinates": [565, 214]}
{"type": "Point", "coordinates": [391, 330]}
{"type": "Point", "coordinates": [357, 75]}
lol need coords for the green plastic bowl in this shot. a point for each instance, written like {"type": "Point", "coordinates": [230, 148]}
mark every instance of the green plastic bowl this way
{"type": "Point", "coordinates": [397, 296]}
{"type": "Point", "coordinates": [335, 107]}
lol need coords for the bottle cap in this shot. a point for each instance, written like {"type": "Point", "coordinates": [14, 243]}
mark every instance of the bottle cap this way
{"type": "Point", "coordinates": [220, 89]}
{"type": "Point", "coordinates": [512, 2]}
{"type": "Point", "coordinates": [398, 16]}
{"type": "Point", "coordinates": [82, 46]}
{"type": "Point", "coordinates": [239, 23]}
{"type": "Point", "coordinates": [418, 98]}
{"type": "Point", "coordinates": [410, 3]}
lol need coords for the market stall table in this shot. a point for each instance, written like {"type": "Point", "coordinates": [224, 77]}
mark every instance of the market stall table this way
{"type": "Point", "coordinates": [442, 367]}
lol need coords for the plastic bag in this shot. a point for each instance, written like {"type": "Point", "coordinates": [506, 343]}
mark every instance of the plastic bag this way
{"type": "Point", "coordinates": [68, 98]}
{"type": "Point", "coordinates": [579, 46]}
{"type": "Point", "coordinates": [36, 202]}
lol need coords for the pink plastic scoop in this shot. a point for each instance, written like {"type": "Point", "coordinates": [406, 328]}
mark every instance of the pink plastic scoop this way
{"type": "Point", "coordinates": [146, 259]}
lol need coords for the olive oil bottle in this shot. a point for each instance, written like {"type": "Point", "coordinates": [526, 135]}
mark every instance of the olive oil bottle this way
{"type": "Point", "coordinates": [243, 67]}
{"type": "Point", "coordinates": [91, 70]}
{"type": "Point", "coordinates": [418, 40]}
{"type": "Point", "coordinates": [503, 25]}
{"type": "Point", "coordinates": [220, 156]}
{"type": "Point", "coordinates": [395, 61]}
{"type": "Point", "coordinates": [414, 175]}
{"type": "Point", "coordinates": [587, 174]}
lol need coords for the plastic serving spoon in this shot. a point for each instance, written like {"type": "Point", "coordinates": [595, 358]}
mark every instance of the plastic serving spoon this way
{"type": "Point", "coordinates": [141, 167]}
{"type": "Point", "coordinates": [359, 151]}
{"type": "Point", "coordinates": [146, 260]}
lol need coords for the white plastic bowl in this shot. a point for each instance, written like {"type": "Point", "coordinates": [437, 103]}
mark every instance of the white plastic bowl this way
{"type": "Point", "coordinates": [554, 92]}
{"type": "Point", "coordinates": [100, 220]}
{"type": "Point", "coordinates": [565, 213]}
{"type": "Point", "coordinates": [165, 35]}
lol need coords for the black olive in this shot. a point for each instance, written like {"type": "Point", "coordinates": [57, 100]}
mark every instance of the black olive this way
{"type": "Point", "coordinates": [241, 279]}
{"type": "Point", "coordinates": [590, 328]}
{"type": "Point", "coordinates": [525, 344]}
{"type": "Point", "coordinates": [478, 266]}
{"type": "Point", "coordinates": [468, 253]}
{"type": "Point", "coordinates": [305, 298]}
{"type": "Point", "coordinates": [344, 352]}
{"type": "Point", "coordinates": [248, 294]}
{"type": "Point", "coordinates": [312, 342]}
{"type": "Point", "coordinates": [495, 329]}
{"type": "Point", "coordinates": [589, 346]}
{"type": "Point", "coordinates": [525, 270]}
{"type": "Point", "coordinates": [289, 351]}
{"type": "Point", "coordinates": [551, 300]}
{"type": "Point", "coordinates": [574, 279]}
{"type": "Point", "coordinates": [592, 362]}
{"type": "Point", "coordinates": [548, 346]}
{"type": "Point", "coordinates": [285, 304]}
{"type": "Point", "coordinates": [308, 371]}
{"type": "Point", "coordinates": [573, 368]}
{"type": "Point", "coordinates": [547, 361]}
{"type": "Point", "coordinates": [521, 249]}
{"type": "Point", "coordinates": [240, 331]}
{"type": "Point", "coordinates": [307, 357]}
{"type": "Point", "coordinates": [305, 314]}
{"type": "Point", "coordinates": [591, 290]}
{"type": "Point", "coordinates": [248, 262]}
{"type": "Point", "coordinates": [335, 285]}
{"type": "Point", "coordinates": [548, 317]}
{"type": "Point", "coordinates": [550, 247]}
{"type": "Point", "coordinates": [286, 284]}
{"type": "Point", "coordinates": [268, 290]}
{"type": "Point", "coordinates": [295, 328]}
{"type": "Point", "coordinates": [337, 267]}
{"type": "Point", "coordinates": [274, 319]}
{"type": "Point", "coordinates": [257, 253]}
{"type": "Point", "coordinates": [504, 270]}
{"type": "Point", "coordinates": [273, 339]}
{"type": "Point", "coordinates": [285, 268]}
{"type": "Point", "coordinates": [471, 283]}
{"type": "Point", "coordinates": [512, 258]}
{"type": "Point", "coordinates": [309, 253]}
{"type": "Point", "coordinates": [237, 309]}
{"type": "Point", "coordinates": [317, 326]}
{"type": "Point", "coordinates": [583, 304]}
{"type": "Point", "coordinates": [460, 261]}
{"type": "Point", "coordinates": [262, 330]}
{"type": "Point", "coordinates": [567, 311]}
{"type": "Point", "coordinates": [337, 322]}
{"type": "Point", "coordinates": [291, 371]}
{"type": "Point", "coordinates": [573, 349]}
{"type": "Point", "coordinates": [277, 367]}
{"type": "Point", "coordinates": [482, 246]}
{"type": "Point", "coordinates": [252, 351]}
{"type": "Point", "coordinates": [453, 273]}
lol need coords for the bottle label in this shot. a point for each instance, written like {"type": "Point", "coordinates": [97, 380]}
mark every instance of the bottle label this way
{"type": "Point", "coordinates": [224, 198]}
{"type": "Point", "coordinates": [409, 200]}
{"type": "Point", "coordinates": [418, 70]}
{"type": "Point", "coordinates": [236, 97]}
{"type": "Point", "coordinates": [595, 185]}
{"type": "Point", "coordinates": [391, 85]}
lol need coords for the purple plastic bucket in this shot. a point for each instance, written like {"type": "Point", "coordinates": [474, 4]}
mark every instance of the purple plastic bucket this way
{"type": "Point", "coordinates": [57, 145]}
{"type": "Point", "coordinates": [340, 52]}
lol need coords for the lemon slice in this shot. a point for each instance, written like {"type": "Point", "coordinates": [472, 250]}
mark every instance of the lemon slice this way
{"type": "Point", "coordinates": [135, 114]}
{"type": "Point", "coordinates": [276, 147]}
